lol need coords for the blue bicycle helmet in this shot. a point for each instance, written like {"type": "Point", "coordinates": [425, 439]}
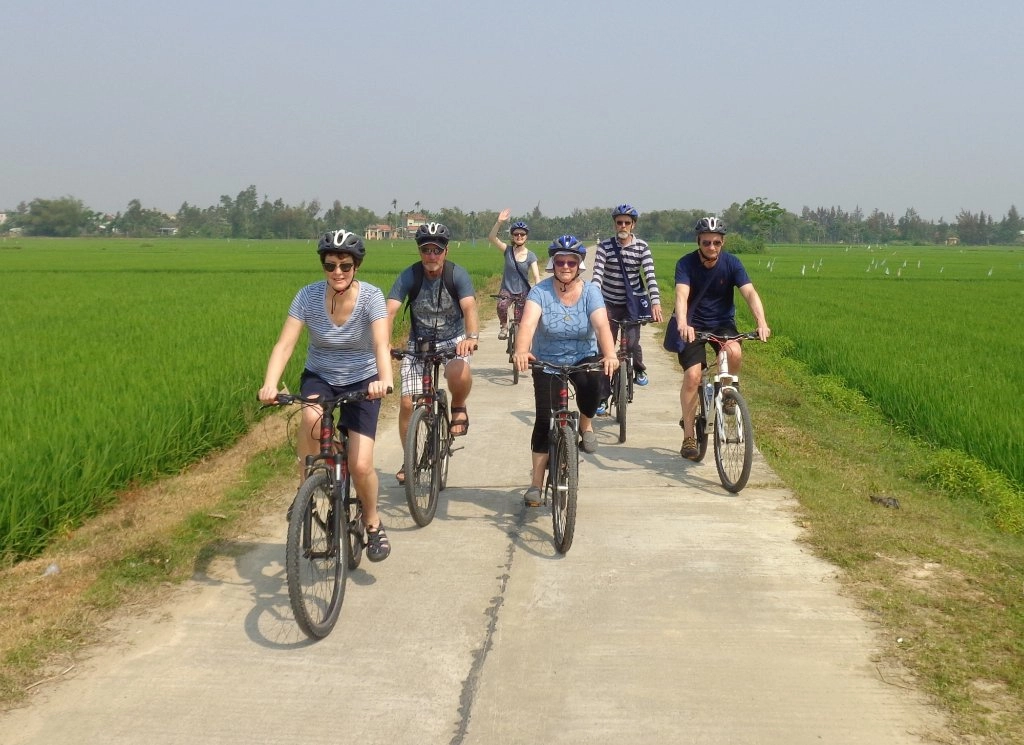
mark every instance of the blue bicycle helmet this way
{"type": "Point", "coordinates": [341, 242]}
{"type": "Point", "coordinates": [627, 210]}
{"type": "Point", "coordinates": [567, 244]}
{"type": "Point", "coordinates": [519, 225]}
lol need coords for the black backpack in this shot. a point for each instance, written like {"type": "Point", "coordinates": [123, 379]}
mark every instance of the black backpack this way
{"type": "Point", "coordinates": [447, 279]}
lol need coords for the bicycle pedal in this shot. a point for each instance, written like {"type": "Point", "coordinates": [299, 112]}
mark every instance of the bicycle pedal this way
{"type": "Point", "coordinates": [453, 449]}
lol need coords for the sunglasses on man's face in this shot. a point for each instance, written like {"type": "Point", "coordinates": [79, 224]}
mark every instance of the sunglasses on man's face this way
{"type": "Point", "coordinates": [330, 266]}
{"type": "Point", "coordinates": [431, 250]}
{"type": "Point", "coordinates": [708, 244]}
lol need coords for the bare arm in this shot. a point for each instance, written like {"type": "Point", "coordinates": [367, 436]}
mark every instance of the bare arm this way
{"type": "Point", "coordinates": [524, 338]}
{"type": "Point", "coordinates": [472, 321]}
{"type": "Point", "coordinates": [756, 309]}
{"type": "Point", "coordinates": [279, 357]}
{"type": "Point", "coordinates": [493, 235]}
{"type": "Point", "coordinates": [535, 272]}
{"type": "Point", "coordinates": [379, 330]}
{"type": "Point", "coordinates": [682, 308]}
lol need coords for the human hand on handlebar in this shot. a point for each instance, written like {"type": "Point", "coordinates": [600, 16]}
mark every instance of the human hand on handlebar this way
{"type": "Point", "coordinates": [523, 360]}
{"type": "Point", "coordinates": [611, 364]}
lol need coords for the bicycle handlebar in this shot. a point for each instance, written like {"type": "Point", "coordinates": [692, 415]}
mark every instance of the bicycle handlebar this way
{"type": "Point", "coordinates": [428, 356]}
{"type": "Point", "coordinates": [566, 369]}
{"type": "Point", "coordinates": [704, 336]}
{"type": "Point", "coordinates": [284, 399]}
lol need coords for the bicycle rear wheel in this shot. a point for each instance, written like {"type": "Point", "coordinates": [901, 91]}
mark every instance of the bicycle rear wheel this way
{"type": "Point", "coordinates": [511, 350]}
{"type": "Point", "coordinates": [620, 386]}
{"type": "Point", "coordinates": [422, 477]}
{"type": "Point", "coordinates": [734, 442]}
{"type": "Point", "coordinates": [314, 564]}
{"type": "Point", "coordinates": [564, 481]}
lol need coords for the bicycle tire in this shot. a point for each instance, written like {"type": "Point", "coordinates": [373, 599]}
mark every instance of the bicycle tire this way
{"type": "Point", "coordinates": [355, 531]}
{"type": "Point", "coordinates": [564, 487]}
{"type": "Point", "coordinates": [734, 443]}
{"type": "Point", "coordinates": [421, 482]}
{"type": "Point", "coordinates": [445, 441]}
{"type": "Point", "coordinates": [621, 383]}
{"type": "Point", "coordinates": [511, 351]}
{"type": "Point", "coordinates": [314, 565]}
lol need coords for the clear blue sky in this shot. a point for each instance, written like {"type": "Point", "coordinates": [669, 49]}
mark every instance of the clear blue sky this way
{"type": "Point", "coordinates": [482, 105]}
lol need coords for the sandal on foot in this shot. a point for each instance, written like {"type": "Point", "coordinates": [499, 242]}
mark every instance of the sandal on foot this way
{"type": "Point", "coordinates": [378, 547]}
{"type": "Point", "coordinates": [532, 497]}
{"type": "Point", "coordinates": [400, 476]}
{"type": "Point", "coordinates": [462, 423]}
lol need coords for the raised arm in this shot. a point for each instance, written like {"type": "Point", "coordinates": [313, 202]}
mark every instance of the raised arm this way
{"type": "Point", "coordinates": [493, 235]}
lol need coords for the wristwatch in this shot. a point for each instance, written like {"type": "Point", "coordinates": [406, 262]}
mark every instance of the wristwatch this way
{"type": "Point", "coordinates": [472, 336]}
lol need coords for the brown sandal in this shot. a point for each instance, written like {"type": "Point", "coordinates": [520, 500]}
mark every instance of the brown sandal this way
{"type": "Point", "coordinates": [461, 423]}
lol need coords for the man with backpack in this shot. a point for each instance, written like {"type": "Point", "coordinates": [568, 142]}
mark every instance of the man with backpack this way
{"type": "Point", "coordinates": [442, 309]}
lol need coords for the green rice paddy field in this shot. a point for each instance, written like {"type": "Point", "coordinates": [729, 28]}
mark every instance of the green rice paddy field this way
{"type": "Point", "coordinates": [125, 359]}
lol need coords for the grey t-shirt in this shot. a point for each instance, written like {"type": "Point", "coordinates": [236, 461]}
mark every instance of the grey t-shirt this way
{"type": "Point", "coordinates": [434, 313]}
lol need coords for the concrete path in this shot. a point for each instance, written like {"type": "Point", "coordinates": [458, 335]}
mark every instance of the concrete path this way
{"type": "Point", "coordinates": [682, 614]}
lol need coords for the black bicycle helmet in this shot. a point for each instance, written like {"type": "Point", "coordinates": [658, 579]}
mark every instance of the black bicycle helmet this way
{"type": "Point", "coordinates": [433, 232]}
{"type": "Point", "coordinates": [709, 224]}
{"type": "Point", "coordinates": [341, 242]}
{"type": "Point", "coordinates": [627, 210]}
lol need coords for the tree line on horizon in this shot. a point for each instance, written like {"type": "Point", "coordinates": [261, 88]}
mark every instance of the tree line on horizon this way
{"type": "Point", "coordinates": [752, 224]}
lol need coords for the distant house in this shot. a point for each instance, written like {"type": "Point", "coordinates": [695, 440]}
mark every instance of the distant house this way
{"type": "Point", "coordinates": [3, 217]}
{"type": "Point", "coordinates": [413, 221]}
{"type": "Point", "coordinates": [952, 241]}
{"type": "Point", "coordinates": [378, 232]}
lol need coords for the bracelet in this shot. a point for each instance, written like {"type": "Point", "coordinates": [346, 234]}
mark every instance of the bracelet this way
{"type": "Point", "coordinates": [472, 336]}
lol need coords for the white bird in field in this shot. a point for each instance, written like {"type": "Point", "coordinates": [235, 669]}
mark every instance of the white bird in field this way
{"type": "Point", "coordinates": [990, 271]}
{"type": "Point", "coordinates": [803, 270]}
{"type": "Point", "coordinates": [941, 269]}
{"type": "Point", "coordinates": [887, 271]}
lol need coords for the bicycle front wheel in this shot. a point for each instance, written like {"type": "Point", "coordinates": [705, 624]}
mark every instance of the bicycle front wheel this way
{"type": "Point", "coordinates": [444, 439]}
{"type": "Point", "coordinates": [314, 564]}
{"type": "Point", "coordinates": [564, 481]}
{"type": "Point", "coordinates": [422, 477]}
{"type": "Point", "coordinates": [734, 442]}
{"type": "Point", "coordinates": [621, 388]}
{"type": "Point", "coordinates": [511, 350]}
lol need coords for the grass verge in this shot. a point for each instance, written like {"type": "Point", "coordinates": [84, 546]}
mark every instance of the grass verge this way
{"type": "Point", "coordinates": [944, 584]}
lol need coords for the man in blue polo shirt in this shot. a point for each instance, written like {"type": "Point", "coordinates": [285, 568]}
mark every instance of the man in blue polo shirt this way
{"type": "Point", "coordinates": [705, 280]}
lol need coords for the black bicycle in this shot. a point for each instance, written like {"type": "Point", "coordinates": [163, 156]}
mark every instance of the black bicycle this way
{"type": "Point", "coordinates": [723, 413]}
{"type": "Point", "coordinates": [518, 302]}
{"type": "Point", "coordinates": [324, 511]}
{"type": "Point", "coordinates": [562, 483]}
{"type": "Point", "coordinates": [622, 379]}
{"type": "Point", "coordinates": [428, 441]}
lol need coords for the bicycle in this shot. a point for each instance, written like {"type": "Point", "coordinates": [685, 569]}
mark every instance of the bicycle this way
{"type": "Point", "coordinates": [622, 379]}
{"type": "Point", "coordinates": [324, 510]}
{"type": "Point", "coordinates": [723, 413]}
{"type": "Point", "coordinates": [562, 482]}
{"type": "Point", "coordinates": [428, 441]}
{"type": "Point", "coordinates": [518, 303]}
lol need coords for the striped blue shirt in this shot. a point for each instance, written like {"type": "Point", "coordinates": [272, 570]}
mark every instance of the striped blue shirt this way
{"type": "Point", "coordinates": [344, 354]}
{"type": "Point", "coordinates": [635, 257]}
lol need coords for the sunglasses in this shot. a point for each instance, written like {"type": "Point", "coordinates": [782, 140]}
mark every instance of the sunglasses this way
{"type": "Point", "coordinates": [623, 223]}
{"type": "Point", "coordinates": [707, 244]}
{"type": "Point", "coordinates": [330, 266]}
{"type": "Point", "coordinates": [519, 235]}
{"type": "Point", "coordinates": [562, 263]}
{"type": "Point", "coordinates": [432, 250]}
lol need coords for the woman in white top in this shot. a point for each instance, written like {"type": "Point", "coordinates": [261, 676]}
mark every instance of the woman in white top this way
{"type": "Point", "coordinates": [349, 350]}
